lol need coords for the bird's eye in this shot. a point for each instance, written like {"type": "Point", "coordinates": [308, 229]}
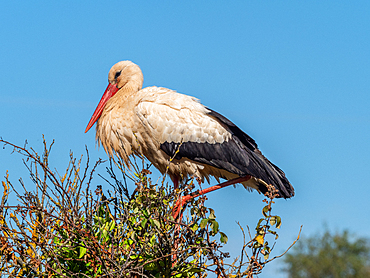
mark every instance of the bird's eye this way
{"type": "Point", "coordinates": [118, 73]}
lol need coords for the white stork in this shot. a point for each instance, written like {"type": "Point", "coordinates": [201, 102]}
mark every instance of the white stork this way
{"type": "Point", "coordinates": [158, 122]}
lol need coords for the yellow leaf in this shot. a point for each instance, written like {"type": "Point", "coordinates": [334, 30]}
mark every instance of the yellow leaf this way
{"type": "Point", "coordinates": [260, 239]}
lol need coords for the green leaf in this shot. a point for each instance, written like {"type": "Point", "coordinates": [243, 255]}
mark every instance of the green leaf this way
{"type": "Point", "coordinates": [260, 221]}
{"type": "Point", "coordinates": [272, 220]}
{"type": "Point", "coordinates": [151, 222]}
{"type": "Point", "coordinates": [265, 210]}
{"type": "Point", "coordinates": [152, 240]}
{"type": "Point", "coordinates": [214, 226]}
{"type": "Point", "coordinates": [150, 267]}
{"type": "Point", "coordinates": [143, 223]}
{"type": "Point", "coordinates": [194, 227]}
{"type": "Point", "coordinates": [203, 223]}
{"type": "Point", "coordinates": [105, 234]}
{"type": "Point", "coordinates": [112, 225]}
{"type": "Point", "coordinates": [82, 252]}
{"type": "Point", "coordinates": [156, 223]}
{"type": "Point", "coordinates": [211, 214]}
{"type": "Point", "coordinates": [278, 222]}
{"type": "Point", "coordinates": [223, 238]}
{"type": "Point", "coordinates": [99, 270]}
{"type": "Point", "coordinates": [133, 257]}
{"type": "Point", "coordinates": [146, 213]}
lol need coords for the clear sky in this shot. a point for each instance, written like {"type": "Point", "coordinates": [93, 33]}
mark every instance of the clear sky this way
{"type": "Point", "coordinates": [294, 75]}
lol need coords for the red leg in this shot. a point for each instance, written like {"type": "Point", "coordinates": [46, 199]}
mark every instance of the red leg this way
{"type": "Point", "coordinates": [183, 200]}
{"type": "Point", "coordinates": [176, 240]}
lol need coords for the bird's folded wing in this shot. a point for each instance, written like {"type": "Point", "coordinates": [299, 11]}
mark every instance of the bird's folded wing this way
{"type": "Point", "coordinates": [173, 117]}
{"type": "Point", "coordinates": [193, 134]}
{"type": "Point", "coordinates": [192, 131]}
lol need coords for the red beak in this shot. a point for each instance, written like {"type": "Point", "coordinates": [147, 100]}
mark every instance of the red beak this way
{"type": "Point", "coordinates": [110, 91]}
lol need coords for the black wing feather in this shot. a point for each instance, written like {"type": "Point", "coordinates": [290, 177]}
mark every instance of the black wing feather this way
{"type": "Point", "coordinates": [239, 155]}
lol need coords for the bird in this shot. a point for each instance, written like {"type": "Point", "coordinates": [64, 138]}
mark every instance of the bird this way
{"type": "Point", "coordinates": [180, 136]}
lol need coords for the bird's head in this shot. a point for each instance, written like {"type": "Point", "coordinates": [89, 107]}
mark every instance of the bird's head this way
{"type": "Point", "coordinates": [124, 75]}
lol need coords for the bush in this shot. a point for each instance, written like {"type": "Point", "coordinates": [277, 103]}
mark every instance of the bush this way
{"type": "Point", "coordinates": [61, 228]}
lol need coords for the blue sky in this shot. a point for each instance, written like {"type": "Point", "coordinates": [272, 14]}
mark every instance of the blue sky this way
{"type": "Point", "coordinates": [294, 75]}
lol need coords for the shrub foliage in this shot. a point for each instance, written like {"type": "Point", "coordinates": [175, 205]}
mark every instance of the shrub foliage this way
{"type": "Point", "coordinates": [63, 227]}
